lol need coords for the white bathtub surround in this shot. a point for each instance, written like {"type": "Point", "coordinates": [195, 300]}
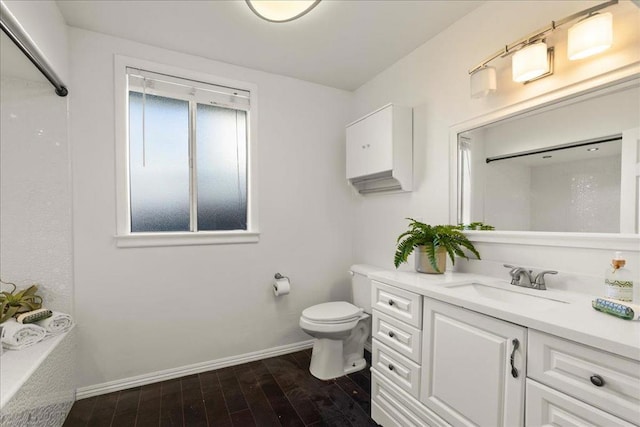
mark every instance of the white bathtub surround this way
{"type": "Point", "coordinates": [18, 336]}
{"type": "Point", "coordinates": [35, 191]}
{"type": "Point", "coordinates": [38, 383]}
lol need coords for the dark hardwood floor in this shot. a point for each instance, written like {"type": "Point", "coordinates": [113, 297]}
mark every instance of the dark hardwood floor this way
{"type": "Point", "coordinates": [273, 392]}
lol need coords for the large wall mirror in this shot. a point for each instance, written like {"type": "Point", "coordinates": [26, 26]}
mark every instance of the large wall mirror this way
{"type": "Point", "coordinates": [569, 166]}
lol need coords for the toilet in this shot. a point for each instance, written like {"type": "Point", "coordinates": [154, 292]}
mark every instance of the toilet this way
{"type": "Point", "coordinates": [340, 329]}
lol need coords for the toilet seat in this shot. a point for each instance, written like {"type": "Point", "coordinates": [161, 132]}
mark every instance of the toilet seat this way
{"type": "Point", "coordinates": [332, 313]}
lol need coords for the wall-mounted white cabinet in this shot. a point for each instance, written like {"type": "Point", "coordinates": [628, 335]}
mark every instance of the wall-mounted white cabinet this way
{"type": "Point", "coordinates": [380, 150]}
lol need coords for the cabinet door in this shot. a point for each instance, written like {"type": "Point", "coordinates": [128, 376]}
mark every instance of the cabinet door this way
{"type": "Point", "coordinates": [467, 374]}
{"type": "Point", "coordinates": [370, 144]}
{"type": "Point", "coordinates": [546, 406]}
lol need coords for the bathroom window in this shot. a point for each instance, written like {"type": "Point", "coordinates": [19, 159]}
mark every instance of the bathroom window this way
{"type": "Point", "coordinates": [187, 156]}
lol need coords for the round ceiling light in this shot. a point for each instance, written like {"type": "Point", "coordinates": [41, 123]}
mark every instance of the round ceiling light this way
{"type": "Point", "coordinates": [281, 10]}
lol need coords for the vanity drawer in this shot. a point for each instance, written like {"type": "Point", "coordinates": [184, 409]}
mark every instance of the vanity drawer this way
{"type": "Point", "coordinates": [399, 336]}
{"type": "Point", "coordinates": [398, 303]}
{"type": "Point", "coordinates": [575, 369]}
{"type": "Point", "coordinates": [548, 407]}
{"type": "Point", "coordinates": [391, 406]}
{"type": "Point", "coordinates": [400, 370]}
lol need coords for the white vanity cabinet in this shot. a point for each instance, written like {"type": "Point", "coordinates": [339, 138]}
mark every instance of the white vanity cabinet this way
{"type": "Point", "coordinates": [474, 367]}
{"type": "Point", "coordinates": [396, 357]}
{"type": "Point", "coordinates": [435, 363]}
{"type": "Point", "coordinates": [572, 384]}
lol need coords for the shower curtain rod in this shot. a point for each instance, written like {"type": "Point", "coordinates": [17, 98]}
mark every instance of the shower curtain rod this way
{"type": "Point", "coordinates": [25, 43]}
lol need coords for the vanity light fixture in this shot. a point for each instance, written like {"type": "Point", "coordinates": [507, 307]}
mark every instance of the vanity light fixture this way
{"type": "Point", "coordinates": [483, 81]}
{"type": "Point", "coordinates": [532, 62]}
{"type": "Point", "coordinates": [281, 10]}
{"type": "Point", "coordinates": [591, 35]}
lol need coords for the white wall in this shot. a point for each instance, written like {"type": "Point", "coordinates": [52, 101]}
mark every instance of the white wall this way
{"type": "Point", "coordinates": [45, 25]}
{"type": "Point", "coordinates": [434, 80]}
{"type": "Point", "coordinates": [141, 310]}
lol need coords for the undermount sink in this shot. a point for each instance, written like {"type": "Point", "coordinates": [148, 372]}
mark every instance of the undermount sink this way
{"type": "Point", "coordinates": [515, 296]}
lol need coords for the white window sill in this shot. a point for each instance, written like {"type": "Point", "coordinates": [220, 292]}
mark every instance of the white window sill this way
{"type": "Point", "coordinates": [139, 240]}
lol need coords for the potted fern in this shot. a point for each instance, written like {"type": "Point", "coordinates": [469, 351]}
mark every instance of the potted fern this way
{"type": "Point", "coordinates": [432, 243]}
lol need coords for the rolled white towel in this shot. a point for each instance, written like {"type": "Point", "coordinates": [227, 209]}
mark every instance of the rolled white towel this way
{"type": "Point", "coordinates": [16, 336]}
{"type": "Point", "coordinates": [57, 324]}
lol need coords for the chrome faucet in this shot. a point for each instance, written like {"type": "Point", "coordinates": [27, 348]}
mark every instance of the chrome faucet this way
{"type": "Point", "coordinates": [520, 276]}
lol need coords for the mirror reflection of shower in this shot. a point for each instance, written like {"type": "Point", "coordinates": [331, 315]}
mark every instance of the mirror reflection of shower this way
{"type": "Point", "coordinates": [568, 168]}
{"type": "Point", "coordinates": [574, 187]}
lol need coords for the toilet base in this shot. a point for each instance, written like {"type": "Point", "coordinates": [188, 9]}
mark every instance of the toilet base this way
{"type": "Point", "coordinates": [333, 358]}
{"type": "Point", "coordinates": [356, 366]}
{"type": "Point", "coordinates": [326, 359]}
{"type": "Point", "coordinates": [326, 366]}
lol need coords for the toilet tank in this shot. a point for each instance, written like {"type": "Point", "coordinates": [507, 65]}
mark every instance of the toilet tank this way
{"type": "Point", "coordinates": [361, 285]}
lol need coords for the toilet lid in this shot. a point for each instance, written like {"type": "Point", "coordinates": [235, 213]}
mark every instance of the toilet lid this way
{"type": "Point", "coordinates": [332, 312]}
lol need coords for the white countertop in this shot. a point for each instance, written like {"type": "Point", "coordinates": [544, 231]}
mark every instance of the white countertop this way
{"type": "Point", "coordinates": [575, 320]}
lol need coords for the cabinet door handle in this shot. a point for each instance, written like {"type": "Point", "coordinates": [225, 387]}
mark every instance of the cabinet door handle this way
{"type": "Point", "coordinates": [391, 302]}
{"type": "Point", "coordinates": [391, 334]}
{"type": "Point", "coordinates": [597, 380]}
{"type": "Point", "coordinates": [391, 368]}
{"type": "Point", "coordinates": [516, 344]}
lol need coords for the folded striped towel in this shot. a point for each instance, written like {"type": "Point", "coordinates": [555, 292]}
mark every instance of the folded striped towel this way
{"type": "Point", "coordinates": [16, 336]}
{"type": "Point", "coordinates": [57, 324]}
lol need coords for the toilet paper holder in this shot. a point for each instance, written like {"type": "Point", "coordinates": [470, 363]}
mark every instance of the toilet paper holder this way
{"type": "Point", "coordinates": [280, 276]}
{"type": "Point", "coordinates": [282, 285]}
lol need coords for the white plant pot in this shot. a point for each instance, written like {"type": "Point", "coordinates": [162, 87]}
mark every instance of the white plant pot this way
{"type": "Point", "coordinates": [422, 260]}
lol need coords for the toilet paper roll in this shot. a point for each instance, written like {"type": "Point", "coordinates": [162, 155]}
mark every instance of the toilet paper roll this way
{"type": "Point", "coordinates": [281, 287]}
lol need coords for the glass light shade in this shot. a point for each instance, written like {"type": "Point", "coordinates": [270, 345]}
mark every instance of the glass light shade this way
{"type": "Point", "coordinates": [590, 36]}
{"type": "Point", "coordinates": [281, 10]}
{"type": "Point", "coordinates": [530, 62]}
{"type": "Point", "coordinates": [483, 82]}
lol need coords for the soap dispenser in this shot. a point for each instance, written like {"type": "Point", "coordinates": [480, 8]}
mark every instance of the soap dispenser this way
{"type": "Point", "coordinates": [618, 282]}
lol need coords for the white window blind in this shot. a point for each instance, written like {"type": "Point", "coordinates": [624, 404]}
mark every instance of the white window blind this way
{"type": "Point", "coordinates": [188, 158]}
{"type": "Point", "coordinates": [148, 82]}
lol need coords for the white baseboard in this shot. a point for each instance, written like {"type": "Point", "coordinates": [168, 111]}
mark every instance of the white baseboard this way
{"type": "Point", "coordinates": [196, 368]}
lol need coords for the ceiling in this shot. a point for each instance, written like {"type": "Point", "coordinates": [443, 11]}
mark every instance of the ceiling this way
{"type": "Point", "coordinates": [340, 43]}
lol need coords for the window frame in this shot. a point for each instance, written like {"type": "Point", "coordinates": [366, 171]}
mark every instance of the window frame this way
{"type": "Point", "coordinates": [124, 237]}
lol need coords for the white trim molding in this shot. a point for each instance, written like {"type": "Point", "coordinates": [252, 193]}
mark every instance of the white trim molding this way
{"type": "Point", "coordinates": [140, 240]}
{"type": "Point", "coordinates": [618, 242]}
{"type": "Point", "coordinates": [196, 368]}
